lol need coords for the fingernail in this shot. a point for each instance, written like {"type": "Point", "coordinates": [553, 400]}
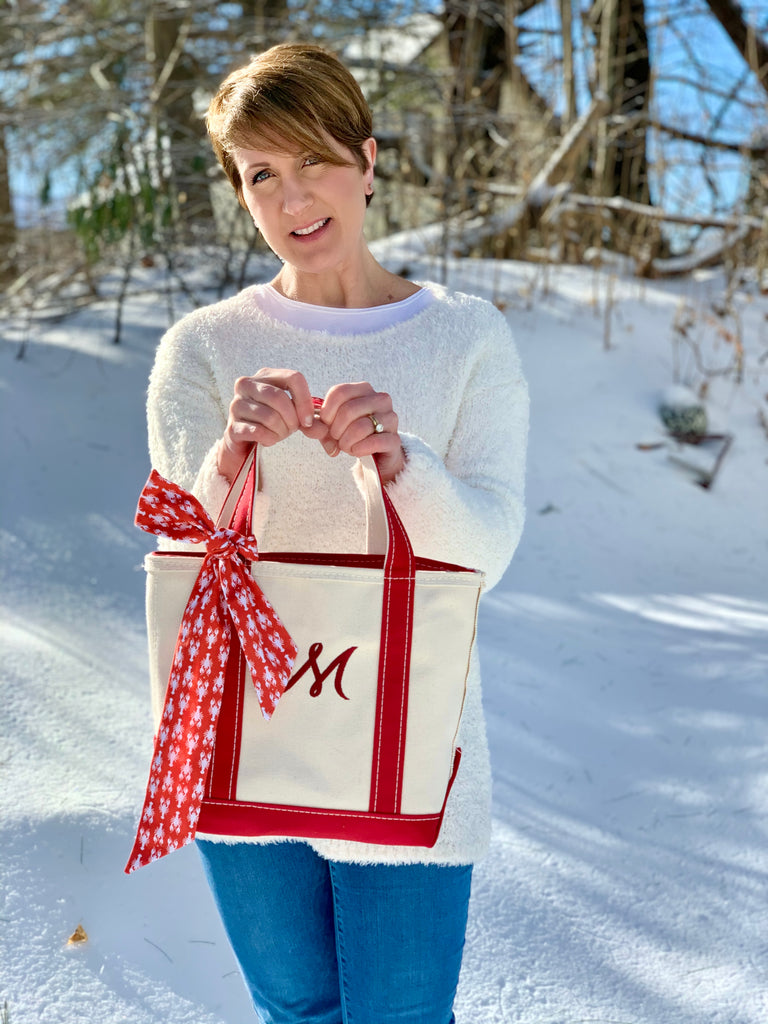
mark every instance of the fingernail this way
{"type": "Point", "coordinates": [308, 421]}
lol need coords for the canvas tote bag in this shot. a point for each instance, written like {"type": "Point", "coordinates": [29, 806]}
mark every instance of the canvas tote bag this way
{"type": "Point", "coordinates": [361, 744]}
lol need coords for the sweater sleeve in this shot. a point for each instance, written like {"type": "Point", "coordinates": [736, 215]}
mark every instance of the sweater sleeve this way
{"type": "Point", "coordinates": [186, 415]}
{"type": "Point", "coordinates": [470, 507]}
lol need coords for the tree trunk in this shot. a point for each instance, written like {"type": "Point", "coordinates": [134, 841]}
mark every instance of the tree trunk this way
{"type": "Point", "coordinates": [752, 47]}
{"type": "Point", "coordinates": [569, 78]}
{"type": "Point", "coordinates": [477, 48]}
{"type": "Point", "coordinates": [175, 116]}
{"type": "Point", "coordinates": [7, 221]}
{"type": "Point", "coordinates": [625, 77]}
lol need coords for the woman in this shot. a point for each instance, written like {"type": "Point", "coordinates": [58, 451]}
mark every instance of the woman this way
{"type": "Point", "coordinates": [428, 382]}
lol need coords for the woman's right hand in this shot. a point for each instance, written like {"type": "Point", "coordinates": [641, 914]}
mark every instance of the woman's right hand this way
{"type": "Point", "coordinates": [265, 409]}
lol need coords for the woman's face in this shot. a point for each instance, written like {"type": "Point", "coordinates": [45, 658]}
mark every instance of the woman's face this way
{"type": "Point", "coordinates": [310, 213]}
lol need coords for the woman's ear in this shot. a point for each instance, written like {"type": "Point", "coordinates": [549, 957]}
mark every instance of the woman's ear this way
{"type": "Point", "coordinates": [369, 149]}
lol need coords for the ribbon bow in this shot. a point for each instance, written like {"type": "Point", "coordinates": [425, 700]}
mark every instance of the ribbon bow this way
{"type": "Point", "coordinates": [225, 594]}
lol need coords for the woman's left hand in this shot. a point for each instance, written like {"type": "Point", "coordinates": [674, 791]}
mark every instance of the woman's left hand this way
{"type": "Point", "coordinates": [361, 421]}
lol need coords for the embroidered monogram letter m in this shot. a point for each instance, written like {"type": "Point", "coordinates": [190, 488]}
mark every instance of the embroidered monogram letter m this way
{"type": "Point", "coordinates": [339, 664]}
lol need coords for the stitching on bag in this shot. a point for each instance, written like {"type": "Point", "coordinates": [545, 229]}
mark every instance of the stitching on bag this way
{"type": "Point", "coordinates": [434, 577]}
{"type": "Point", "coordinates": [436, 580]}
{"type": "Point", "coordinates": [403, 699]}
{"type": "Point", "coordinates": [238, 710]}
{"type": "Point", "coordinates": [433, 568]}
{"type": "Point", "coordinates": [385, 613]}
{"type": "Point", "coordinates": [382, 701]}
{"type": "Point", "coordinates": [407, 579]}
{"type": "Point", "coordinates": [308, 559]}
{"type": "Point", "coordinates": [326, 814]}
{"type": "Point", "coordinates": [385, 618]}
{"type": "Point", "coordinates": [402, 693]}
{"type": "Point", "coordinates": [350, 561]}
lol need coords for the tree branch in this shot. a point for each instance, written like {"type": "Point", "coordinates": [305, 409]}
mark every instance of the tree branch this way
{"type": "Point", "coordinates": [752, 47]}
{"type": "Point", "coordinates": [745, 148]}
{"type": "Point", "coordinates": [619, 205]}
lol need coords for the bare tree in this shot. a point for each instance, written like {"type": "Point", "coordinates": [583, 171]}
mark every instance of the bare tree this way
{"type": "Point", "coordinates": [477, 51]}
{"type": "Point", "coordinates": [173, 113]}
{"type": "Point", "coordinates": [486, 83]}
{"type": "Point", "coordinates": [625, 78]}
{"type": "Point", "coordinates": [477, 126]}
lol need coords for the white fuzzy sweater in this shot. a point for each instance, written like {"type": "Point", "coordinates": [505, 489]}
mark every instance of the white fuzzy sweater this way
{"type": "Point", "coordinates": [456, 384]}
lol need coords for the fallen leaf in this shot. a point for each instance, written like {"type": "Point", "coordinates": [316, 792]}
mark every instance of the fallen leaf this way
{"type": "Point", "coordinates": [78, 935]}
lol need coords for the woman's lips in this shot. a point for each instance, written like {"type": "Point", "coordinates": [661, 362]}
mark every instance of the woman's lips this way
{"type": "Point", "coordinates": [311, 230]}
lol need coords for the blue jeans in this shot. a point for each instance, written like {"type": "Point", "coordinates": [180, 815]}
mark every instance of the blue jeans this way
{"type": "Point", "coordinates": [321, 942]}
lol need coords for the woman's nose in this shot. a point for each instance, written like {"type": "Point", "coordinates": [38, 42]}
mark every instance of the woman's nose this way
{"type": "Point", "coordinates": [296, 198]}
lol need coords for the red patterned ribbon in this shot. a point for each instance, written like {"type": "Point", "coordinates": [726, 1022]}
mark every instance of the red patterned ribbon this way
{"type": "Point", "coordinates": [225, 592]}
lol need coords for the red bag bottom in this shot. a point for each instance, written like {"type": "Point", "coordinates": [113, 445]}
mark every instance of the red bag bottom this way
{"type": "Point", "coordinates": [239, 818]}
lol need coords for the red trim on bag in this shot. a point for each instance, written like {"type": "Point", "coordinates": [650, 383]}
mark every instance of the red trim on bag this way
{"type": "Point", "coordinates": [225, 758]}
{"type": "Point", "coordinates": [239, 818]}
{"type": "Point", "coordinates": [241, 516]}
{"type": "Point", "coordinates": [362, 561]}
{"type": "Point", "coordinates": [394, 668]}
{"type": "Point", "coordinates": [359, 561]}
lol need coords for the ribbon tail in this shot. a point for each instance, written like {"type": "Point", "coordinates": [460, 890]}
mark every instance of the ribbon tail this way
{"type": "Point", "coordinates": [185, 737]}
{"type": "Point", "coordinates": [267, 645]}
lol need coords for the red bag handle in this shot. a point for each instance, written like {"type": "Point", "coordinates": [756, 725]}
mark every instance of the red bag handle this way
{"type": "Point", "coordinates": [383, 522]}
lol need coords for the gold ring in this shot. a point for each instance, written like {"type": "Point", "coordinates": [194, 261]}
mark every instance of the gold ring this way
{"type": "Point", "coordinates": [378, 428]}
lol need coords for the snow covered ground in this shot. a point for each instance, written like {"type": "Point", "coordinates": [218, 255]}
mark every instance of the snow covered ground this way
{"type": "Point", "coordinates": [625, 653]}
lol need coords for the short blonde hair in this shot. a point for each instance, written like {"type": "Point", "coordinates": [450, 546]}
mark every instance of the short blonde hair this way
{"type": "Point", "coordinates": [296, 93]}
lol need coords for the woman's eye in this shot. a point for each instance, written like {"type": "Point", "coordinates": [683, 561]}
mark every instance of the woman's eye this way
{"type": "Point", "coordinates": [310, 161]}
{"type": "Point", "coordinates": [259, 176]}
